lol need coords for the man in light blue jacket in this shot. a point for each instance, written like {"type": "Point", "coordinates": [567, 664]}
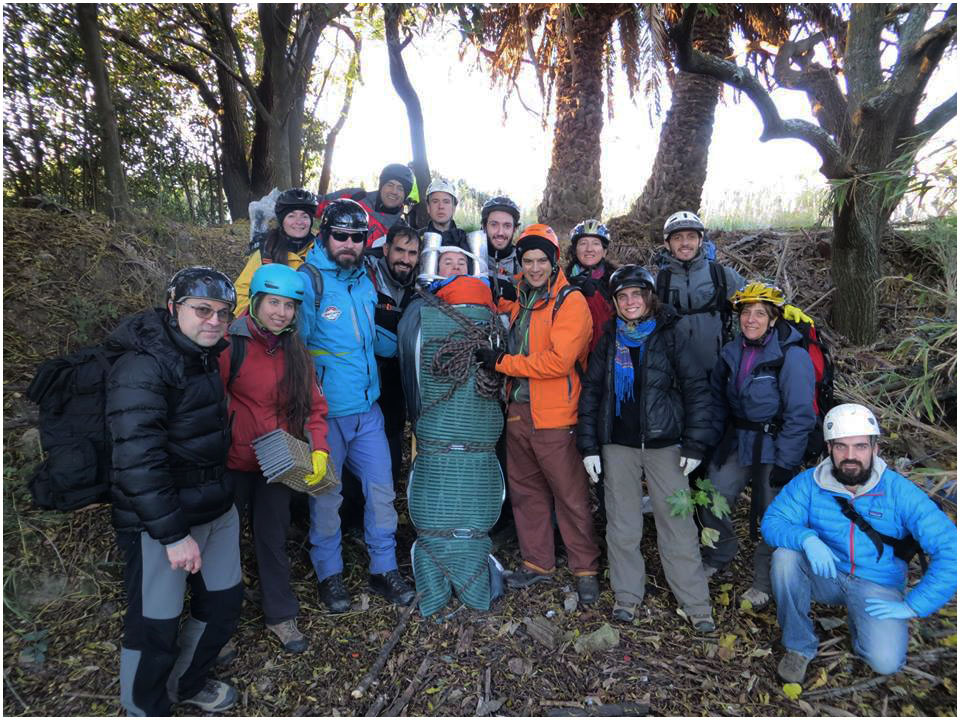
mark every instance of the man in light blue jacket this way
{"type": "Point", "coordinates": [844, 533]}
{"type": "Point", "coordinates": [339, 331]}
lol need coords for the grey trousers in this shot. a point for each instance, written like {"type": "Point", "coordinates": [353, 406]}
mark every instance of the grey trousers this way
{"type": "Point", "coordinates": [160, 661]}
{"type": "Point", "coordinates": [730, 480]}
{"type": "Point", "coordinates": [677, 537]}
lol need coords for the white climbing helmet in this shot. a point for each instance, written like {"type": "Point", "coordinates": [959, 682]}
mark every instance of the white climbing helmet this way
{"type": "Point", "coordinates": [682, 220]}
{"type": "Point", "coordinates": [442, 186]}
{"type": "Point", "coordinates": [849, 420]}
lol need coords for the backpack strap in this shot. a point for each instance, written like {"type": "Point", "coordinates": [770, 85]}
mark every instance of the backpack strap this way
{"type": "Point", "coordinates": [238, 351]}
{"type": "Point", "coordinates": [562, 295]}
{"type": "Point", "coordinates": [316, 281]}
{"type": "Point", "coordinates": [663, 285]}
{"type": "Point", "coordinates": [904, 548]}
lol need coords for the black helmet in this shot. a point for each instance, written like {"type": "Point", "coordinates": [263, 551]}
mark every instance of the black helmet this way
{"type": "Point", "coordinates": [344, 215]}
{"type": "Point", "coordinates": [590, 228]}
{"type": "Point", "coordinates": [295, 199]}
{"type": "Point", "coordinates": [631, 276]}
{"type": "Point", "coordinates": [501, 202]}
{"type": "Point", "coordinates": [401, 173]}
{"type": "Point", "coordinates": [201, 282]}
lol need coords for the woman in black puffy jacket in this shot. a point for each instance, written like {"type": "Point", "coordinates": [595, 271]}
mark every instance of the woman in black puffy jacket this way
{"type": "Point", "coordinates": [644, 409]}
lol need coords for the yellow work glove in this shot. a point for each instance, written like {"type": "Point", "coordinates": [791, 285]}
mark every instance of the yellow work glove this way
{"type": "Point", "coordinates": [319, 458]}
{"type": "Point", "coordinates": [795, 314]}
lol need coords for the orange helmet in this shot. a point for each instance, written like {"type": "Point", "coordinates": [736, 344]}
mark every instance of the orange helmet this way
{"type": "Point", "coordinates": [539, 237]}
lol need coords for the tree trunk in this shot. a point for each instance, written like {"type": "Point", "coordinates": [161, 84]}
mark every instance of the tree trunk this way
{"type": "Point", "coordinates": [680, 167]}
{"type": "Point", "coordinates": [573, 191]}
{"type": "Point", "coordinates": [232, 120]}
{"type": "Point", "coordinates": [95, 64]}
{"type": "Point", "coordinates": [403, 86]}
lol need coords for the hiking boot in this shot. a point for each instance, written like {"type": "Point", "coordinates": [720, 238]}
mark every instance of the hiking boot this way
{"type": "Point", "coordinates": [624, 612]}
{"type": "Point", "coordinates": [588, 588]}
{"type": "Point", "coordinates": [216, 696]}
{"type": "Point", "coordinates": [758, 599]}
{"type": "Point", "coordinates": [525, 577]}
{"type": "Point", "coordinates": [793, 667]}
{"type": "Point", "coordinates": [333, 594]}
{"type": "Point", "coordinates": [393, 587]}
{"type": "Point", "coordinates": [293, 640]}
{"type": "Point", "coordinates": [227, 654]}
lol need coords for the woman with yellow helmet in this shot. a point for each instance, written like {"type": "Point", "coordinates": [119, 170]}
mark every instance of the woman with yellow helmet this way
{"type": "Point", "coordinates": [762, 392]}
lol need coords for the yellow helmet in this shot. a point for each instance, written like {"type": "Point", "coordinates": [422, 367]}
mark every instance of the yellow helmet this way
{"type": "Point", "coordinates": [758, 292]}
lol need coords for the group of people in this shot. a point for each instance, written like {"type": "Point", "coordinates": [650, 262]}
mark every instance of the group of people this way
{"type": "Point", "coordinates": [612, 376]}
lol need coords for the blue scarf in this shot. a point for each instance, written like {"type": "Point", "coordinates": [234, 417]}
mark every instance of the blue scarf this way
{"type": "Point", "coordinates": [628, 337]}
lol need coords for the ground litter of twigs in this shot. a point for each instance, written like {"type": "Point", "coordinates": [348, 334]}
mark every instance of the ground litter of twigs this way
{"type": "Point", "coordinates": [63, 598]}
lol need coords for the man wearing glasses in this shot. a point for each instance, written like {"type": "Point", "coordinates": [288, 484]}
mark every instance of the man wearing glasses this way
{"type": "Point", "coordinates": [172, 503]}
{"type": "Point", "coordinates": [338, 328]}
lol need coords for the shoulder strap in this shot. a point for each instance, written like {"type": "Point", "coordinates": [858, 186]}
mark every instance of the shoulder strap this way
{"type": "Point", "coordinates": [904, 548]}
{"type": "Point", "coordinates": [238, 351]}
{"type": "Point", "coordinates": [663, 285]}
{"type": "Point", "coordinates": [561, 296]}
{"type": "Point", "coordinates": [316, 280]}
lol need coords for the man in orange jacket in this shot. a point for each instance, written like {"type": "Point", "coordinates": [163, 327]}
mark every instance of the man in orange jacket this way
{"type": "Point", "coordinates": [550, 330]}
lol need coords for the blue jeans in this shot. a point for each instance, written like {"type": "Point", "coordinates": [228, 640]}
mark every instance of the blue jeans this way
{"type": "Point", "coordinates": [882, 643]}
{"type": "Point", "coordinates": [359, 442]}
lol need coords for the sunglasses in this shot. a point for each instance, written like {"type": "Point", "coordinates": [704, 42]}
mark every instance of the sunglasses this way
{"type": "Point", "coordinates": [205, 312]}
{"type": "Point", "coordinates": [345, 236]}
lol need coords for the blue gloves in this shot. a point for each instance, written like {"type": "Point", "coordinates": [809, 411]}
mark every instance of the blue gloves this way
{"type": "Point", "coordinates": [820, 556]}
{"type": "Point", "coordinates": [889, 609]}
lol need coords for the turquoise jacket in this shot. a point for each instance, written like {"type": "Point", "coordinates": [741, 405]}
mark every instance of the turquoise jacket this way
{"type": "Point", "coordinates": [341, 336]}
{"type": "Point", "coordinates": [893, 506]}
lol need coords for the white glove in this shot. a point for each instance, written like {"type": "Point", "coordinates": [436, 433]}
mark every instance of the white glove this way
{"type": "Point", "coordinates": [688, 465]}
{"type": "Point", "coordinates": [592, 465]}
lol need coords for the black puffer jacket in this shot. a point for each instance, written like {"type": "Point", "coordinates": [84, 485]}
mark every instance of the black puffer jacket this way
{"type": "Point", "coordinates": [167, 413]}
{"type": "Point", "coordinates": [675, 393]}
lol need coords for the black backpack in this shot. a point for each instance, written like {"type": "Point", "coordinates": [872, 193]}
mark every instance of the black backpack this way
{"type": "Point", "coordinates": [71, 393]}
{"type": "Point", "coordinates": [718, 303]}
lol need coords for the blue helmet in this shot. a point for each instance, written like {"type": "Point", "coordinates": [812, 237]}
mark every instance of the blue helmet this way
{"type": "Point", "coordinates": [277, 279]}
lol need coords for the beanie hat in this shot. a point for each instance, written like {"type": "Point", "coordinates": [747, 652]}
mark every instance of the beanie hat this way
{"type": "Point", "coordinates": [401, 173]}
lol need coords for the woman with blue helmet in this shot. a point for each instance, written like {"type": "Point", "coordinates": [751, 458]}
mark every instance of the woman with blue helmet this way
{"type": "Point", "coordinates": [271, 384]}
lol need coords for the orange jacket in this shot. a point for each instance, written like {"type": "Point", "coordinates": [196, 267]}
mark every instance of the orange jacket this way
{"type": "Point", "coordinates": [557, 344]}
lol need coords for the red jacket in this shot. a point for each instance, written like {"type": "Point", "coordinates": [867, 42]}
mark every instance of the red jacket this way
{"type": "Point", "coordinates": [253, 398]}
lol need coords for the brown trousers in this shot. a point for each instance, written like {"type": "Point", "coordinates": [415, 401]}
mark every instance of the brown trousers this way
{"type": "Point", "coordinates": [545, 472]}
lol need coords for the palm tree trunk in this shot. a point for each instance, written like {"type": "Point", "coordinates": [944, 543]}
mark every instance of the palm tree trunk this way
{"type": "Point", "coordinates": [680, 166]}
{"type": "Point", "coordinates": [573, 191]}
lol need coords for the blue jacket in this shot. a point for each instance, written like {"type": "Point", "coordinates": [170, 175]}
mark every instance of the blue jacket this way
{"type": "Point", "coordinates": [892, 505]}
{"type": "Point", "coordinates": [780, 385]}
{"type": "Point", "coordinates": [341, 336]}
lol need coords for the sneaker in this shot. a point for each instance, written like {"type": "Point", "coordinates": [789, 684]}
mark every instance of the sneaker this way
{"type": "Point", "coordinates": [333, 594]}
{"type": "Point", "coordinates": [703, 624]}
{"type": "Point", "coordinates": [758, 599]}
{"type": "Point", "coordinates": [588, 588]}
{"type": "Point", "coordinates": [624, 612]}
{"type": "Point", "coordinates": [393, 587]}
{"type": "Point", "coordinates": [227, 654]}
{"type": "Point", "coordinates": [793, 667]}
{"type": "Point", "coordinates": [290, 636]}
{"type": "Point", "coordinates": [216, 696]}
{"type": "Point", "coordinates": [525, 577]}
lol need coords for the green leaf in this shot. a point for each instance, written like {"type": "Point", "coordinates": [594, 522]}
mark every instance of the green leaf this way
{"type": "Point", "coordinates": [701, 498]}
{"type": "Point", "coordinates": [792, 690]}
{"type": "Point", "coordinates": [703, 483]}
{"type": "Point", "coordinates": [720, 507]}
{"type": "Point", "coordinates": [709, 537]}
{"type": "Point", "coordinates": [681, 503]}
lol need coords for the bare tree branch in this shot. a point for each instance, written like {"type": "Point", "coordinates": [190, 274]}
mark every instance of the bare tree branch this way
{"type": "Point", "coordinates": [244, 79]}
{"type": "Point", "coordinates": [937, 118]}
{"type": "Point", "coordinates": [835, 165]}
{"type": "Point", "coordinates": [826, 98]}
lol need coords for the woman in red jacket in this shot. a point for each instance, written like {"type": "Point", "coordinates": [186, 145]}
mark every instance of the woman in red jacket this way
{"type": "Point", "coordinates": [273, 385]}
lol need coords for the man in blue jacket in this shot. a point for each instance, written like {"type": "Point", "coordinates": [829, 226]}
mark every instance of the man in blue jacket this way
{"type": "Point", "coordinates": [842, 532]}
{"type": "Point", "coordinates": [338, 329]}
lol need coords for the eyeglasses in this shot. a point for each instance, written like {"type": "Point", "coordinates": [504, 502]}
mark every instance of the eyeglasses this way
{"type": "Point", "coordinates": [205, 312]}
{"type": "Point", "coordinates": [352, 237]}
